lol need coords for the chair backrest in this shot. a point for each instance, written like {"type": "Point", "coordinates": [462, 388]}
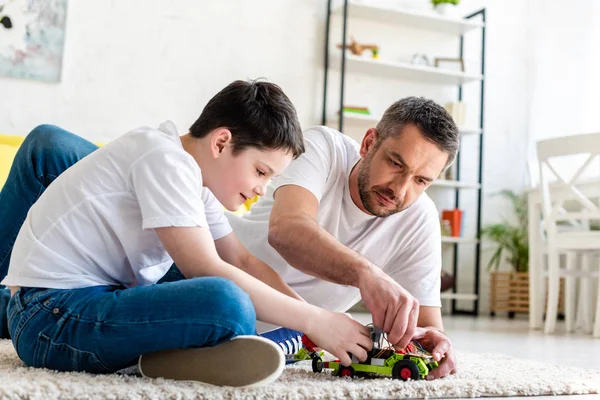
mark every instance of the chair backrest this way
{"type": "Point", "coordinates": [573, 199]}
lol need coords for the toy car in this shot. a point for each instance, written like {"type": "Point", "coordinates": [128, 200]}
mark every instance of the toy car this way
{"type": "Point", "coordinates": [413, 362]}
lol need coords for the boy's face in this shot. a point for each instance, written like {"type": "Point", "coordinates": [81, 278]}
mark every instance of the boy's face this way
{"type": "Point", "coordinates": [246, 174]}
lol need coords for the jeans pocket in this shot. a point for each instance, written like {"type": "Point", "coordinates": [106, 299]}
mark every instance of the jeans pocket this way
{"type": "Point", "coordinates": [63, 357]}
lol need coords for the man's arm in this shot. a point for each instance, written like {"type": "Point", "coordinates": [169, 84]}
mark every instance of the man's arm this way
{"type": "Point", "coordinates": [194, 252]}
{"type": "Point", "coordinates": [232, 251]}
{"type": "Point", "coordinates": [296, 235]}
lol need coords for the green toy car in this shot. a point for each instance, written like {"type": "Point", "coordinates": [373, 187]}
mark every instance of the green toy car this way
{"type": "Point", "coordinates": [411, 363]}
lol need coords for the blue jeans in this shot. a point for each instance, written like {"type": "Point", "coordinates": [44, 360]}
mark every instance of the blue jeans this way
{"type": "Point", "coordinates": [47, 152]}
{"type": "Point", "coordinates": [102, 329]}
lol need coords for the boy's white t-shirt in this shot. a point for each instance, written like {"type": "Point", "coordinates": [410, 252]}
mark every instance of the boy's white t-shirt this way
{"type": "Point", "coordinates": [406, 245]}
{"type": "Point", "coordinates": [94, 224]}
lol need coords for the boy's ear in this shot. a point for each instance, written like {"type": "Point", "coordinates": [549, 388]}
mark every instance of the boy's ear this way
{"type": "Point", "coordinates": [221, 138]}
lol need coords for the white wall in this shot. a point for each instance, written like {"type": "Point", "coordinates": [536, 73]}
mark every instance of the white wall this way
{"type": "Point", "coordinates": [133, 62]}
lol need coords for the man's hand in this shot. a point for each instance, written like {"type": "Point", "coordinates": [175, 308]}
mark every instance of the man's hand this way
{"type": "Point", "coordinates": [440, 347]}
{"type": "Point", "coordinates": [394, 309]}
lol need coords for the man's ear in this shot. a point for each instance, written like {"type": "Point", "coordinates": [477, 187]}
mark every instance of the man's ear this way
{"type": "Point", "coordinates": [368, 141]}
{"type": "Point", "coordinates": [220, 139]}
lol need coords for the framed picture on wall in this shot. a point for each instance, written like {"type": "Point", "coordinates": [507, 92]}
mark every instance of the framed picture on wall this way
{"type": "Point", "coordinates": [32, 35]}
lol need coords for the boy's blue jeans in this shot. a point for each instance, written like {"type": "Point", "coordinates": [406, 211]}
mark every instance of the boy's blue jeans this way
{"type": "Point", "coordinates": [104, 328]}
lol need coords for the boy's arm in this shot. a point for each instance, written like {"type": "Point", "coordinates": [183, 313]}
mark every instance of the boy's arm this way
{"type": "Point", "coordinates": [232, 251]}
{"type": "Point", "coordinates": [194, 252]}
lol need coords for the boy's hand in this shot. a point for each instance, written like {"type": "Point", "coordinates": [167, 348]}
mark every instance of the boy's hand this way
{"type": "Point", "coordinates": [394, 309]}
{"type": "Point", "coordinates": [439, 345]}
{"type": "Point", "coordinates": [340, 335]}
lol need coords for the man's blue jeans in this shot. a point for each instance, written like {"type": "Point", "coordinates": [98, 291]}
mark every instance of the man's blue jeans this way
{"type": "Point", "coordinates": [62, 329]}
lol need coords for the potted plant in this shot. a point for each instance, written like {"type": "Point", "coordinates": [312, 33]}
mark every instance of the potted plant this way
{"type": "Point", "coordinates": [509, 290]}
{"type": "Point", "coordinates": [445, 7]}
{"type": "Point", "coordinates": [511, 238]}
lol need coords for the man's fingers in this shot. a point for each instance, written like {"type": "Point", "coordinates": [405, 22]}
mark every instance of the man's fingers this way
{"type": "Point", "coordinates": [388, 322]}
{"type": "Point", "coordinates": [446, 367]}
{"type": "Point", "coordinates": [419, 333]}
{"type": "Point", "coordinates": [410, 327]}
{"type": "Point", "coordinates": [441, 349]}
{"type": "Point", "coordinates": [399, 327]}
{"type": "Point", "coordinates": [378, 316]}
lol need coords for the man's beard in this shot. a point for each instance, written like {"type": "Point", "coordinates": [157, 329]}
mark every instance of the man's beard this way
{"type": "Point", "coordinates": [367, 194]}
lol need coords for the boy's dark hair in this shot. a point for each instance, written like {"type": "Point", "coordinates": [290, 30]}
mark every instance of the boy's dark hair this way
{"type": "Point", "coordinates": [257, 113]}
{"type": "Point", "coordinates": [434, 122]}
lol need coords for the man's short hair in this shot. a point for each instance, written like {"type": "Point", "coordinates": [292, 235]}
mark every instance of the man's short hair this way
{"type": "Point", "coordinates": [434, 122]}
{"type": "Point", "coordinates": [257, 113]}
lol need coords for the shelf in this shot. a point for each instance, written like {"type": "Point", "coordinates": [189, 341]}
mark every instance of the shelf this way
{"type": "Point", "coordinates": [455, 184]}
{"type": "Point", "coordinates": [459, 240]}
{"type": "Point", "coordinates": [360, 118]}
{"type": "Point", "coordinates": [458, 296]}
{"type": "Point", "coordinates": [408, 71]}
{"type": "Point", "coordinates": [416, 19]}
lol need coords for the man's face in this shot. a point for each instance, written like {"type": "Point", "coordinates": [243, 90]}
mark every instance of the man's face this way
{"type": "Point", "coordinates": [394, 173]}
{"type": "Point", "coordinates": [246, 174]}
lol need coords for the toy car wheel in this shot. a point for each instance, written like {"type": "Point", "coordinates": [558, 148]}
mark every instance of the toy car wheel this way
{"type": "Point", "coordinates": [317, 364]}
{"type": "Point", "coordinates": [405, 370]}
{"type": "Point", "coordinates": [346, 371]}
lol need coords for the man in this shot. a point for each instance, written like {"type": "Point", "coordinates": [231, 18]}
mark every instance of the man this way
{"type": "Point", "coordinates": [346, 222]}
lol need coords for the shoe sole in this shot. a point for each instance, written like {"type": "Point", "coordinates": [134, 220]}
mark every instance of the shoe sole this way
{"type": "Point", "coordinates": [244, 361]}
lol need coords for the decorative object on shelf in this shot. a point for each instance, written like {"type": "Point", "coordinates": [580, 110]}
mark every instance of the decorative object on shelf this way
{"type": "Point", "coordinates": [458, 112]}
{"type": "Point", "coordinates": [358, 48]}
{"type": "Point", "coordinates": [356, 110]}
{"type": "Point", "coordinates": [446, 228]}
{"type": "Point", "coordinates": [447, 281]}
{"type": "Point", "coordinates": [420, 59]}
{"type": "Point", "coordinates": [445, 7]}
{"type": "Point", "coordinates": [454, 217]}
{"type": "Point", "coordinates": [454, 61]}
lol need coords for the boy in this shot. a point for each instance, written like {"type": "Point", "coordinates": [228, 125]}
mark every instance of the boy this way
{"type": "Point", "coordinates": [85, 264]}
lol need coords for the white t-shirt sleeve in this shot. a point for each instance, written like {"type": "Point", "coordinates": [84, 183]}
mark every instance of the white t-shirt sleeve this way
{"type": "Point", "coordinates": [418, 268]}
{"type": "Point", "coordinates": [215, 216]}
{"type": "Point", "coordinates": [168, 187]}
{"type": "Point", "coordinates": [311, 170]}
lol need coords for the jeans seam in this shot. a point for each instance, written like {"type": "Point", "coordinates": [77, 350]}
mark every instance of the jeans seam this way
{"type": "Point", "coordinates": [219, 324]}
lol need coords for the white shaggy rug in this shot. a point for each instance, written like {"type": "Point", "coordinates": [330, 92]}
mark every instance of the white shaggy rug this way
{"type": "Point", "coordinates": [479, 375]}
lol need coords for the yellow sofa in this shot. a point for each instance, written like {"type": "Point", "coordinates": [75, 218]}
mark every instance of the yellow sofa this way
{"type": "Point", "coordinates": [9, 144]}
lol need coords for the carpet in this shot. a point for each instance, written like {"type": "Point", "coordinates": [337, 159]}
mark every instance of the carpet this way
{"type": "Point", "coordinates": [479, 375]}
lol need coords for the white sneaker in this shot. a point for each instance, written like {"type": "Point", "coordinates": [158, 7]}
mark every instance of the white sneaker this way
{"type": "Point", "coordinates": [244, 361]}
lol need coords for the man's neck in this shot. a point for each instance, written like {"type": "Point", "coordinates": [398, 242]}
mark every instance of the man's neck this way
{"type": "Point", "coordinates": [353, 185]}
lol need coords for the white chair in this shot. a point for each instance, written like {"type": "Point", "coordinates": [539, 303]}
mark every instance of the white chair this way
{"type": "Point", "coordinates": [556, 191]}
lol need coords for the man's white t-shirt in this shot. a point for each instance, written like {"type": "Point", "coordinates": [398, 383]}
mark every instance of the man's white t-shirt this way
{"type": "Point", "coordinates": [406, 245]}
{"type": "Point", "coordinates": [94, 224]}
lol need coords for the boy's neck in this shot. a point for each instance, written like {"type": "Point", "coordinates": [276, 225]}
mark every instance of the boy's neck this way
{"type": "Point", "coordinates": [197, 148]}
